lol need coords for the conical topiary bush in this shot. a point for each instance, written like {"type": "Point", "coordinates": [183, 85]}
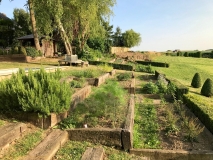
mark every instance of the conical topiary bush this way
{"type": "Point", "coordinates": [207, 89]}
{"type": "Point", "coordinates": [196, 81]}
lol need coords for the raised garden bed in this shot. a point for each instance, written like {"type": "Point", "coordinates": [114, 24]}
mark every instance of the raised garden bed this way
{"type": "Point", "coordinates": [174, 133]}
{"type": "Point", "coordinates": [79, 94]}
{"type": "Point", "coordinates": [101, 128]}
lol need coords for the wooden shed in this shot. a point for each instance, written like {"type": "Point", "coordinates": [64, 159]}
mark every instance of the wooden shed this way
{"type": "Point", "coordinates": [48, 46]}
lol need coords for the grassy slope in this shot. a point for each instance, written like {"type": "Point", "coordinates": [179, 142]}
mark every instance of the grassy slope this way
{"type": "Point", "coordinates": [184, 68]}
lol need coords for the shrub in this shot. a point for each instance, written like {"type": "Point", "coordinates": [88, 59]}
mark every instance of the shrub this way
{"type": "Point", "coordinates": [186, 54]}
{"type": "Point", "coordinates": [22, 50]}
{"type": "Point", "coordinates": [150, 88]}
{"type": "Point", "coordinates": [39, 92]}
{"type": "Point", "coordinates": [105, 67]}
{"type": "Point", "coordinates": [15, 50]}
{"type": "Point", "coordinates": [77, 83]}
{"type": "Point", "coordinates": [124, 76]}
{"type": "Point", "coordinates": [196, 81]}
{"type": "Point", "coordinates": [32, 52]}
{"type": "Point", "coordinates": [207, 88]}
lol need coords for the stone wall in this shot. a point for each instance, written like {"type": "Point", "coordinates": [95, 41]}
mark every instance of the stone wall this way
{"type": "Point", "coordinates": [118, 50]}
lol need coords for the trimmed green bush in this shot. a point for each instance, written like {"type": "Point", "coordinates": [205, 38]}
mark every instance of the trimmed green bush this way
{"type": "Point", "coordinates": [196, 81]}
{"type": "Point", "coordinates": [22, 50]}
{"type": "Point", "coordinates": [207, 88]}
{"type": "Point", "coordinates": [156, 64]}
{"type": "Point", "coordinates": [32, 52]}
{"type": "Point", "coordinates": [38, 92]}
{"type": "Point", "coordinates": [203, 110]}
{"type": "Point", "coordinates": [114, 65]}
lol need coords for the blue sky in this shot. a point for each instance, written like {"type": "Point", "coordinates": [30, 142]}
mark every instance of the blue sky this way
{"type": "Point", "coordinates": [163, 24]}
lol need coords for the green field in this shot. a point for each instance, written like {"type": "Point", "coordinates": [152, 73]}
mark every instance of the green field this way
{"type": "Point", "coordinates": [184, 68]}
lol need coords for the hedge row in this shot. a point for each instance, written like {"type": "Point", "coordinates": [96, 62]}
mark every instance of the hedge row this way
{"type": "Point", "coordinates": [157, 64]}
{"type": "Point", "coordinates": [198, 54]}
{"type": "Point", "coordinates": [114, 65]}
{"type": "Point", "coordinates": [201, 109]}
{"type": "Point", "coordinates": [180, 88]}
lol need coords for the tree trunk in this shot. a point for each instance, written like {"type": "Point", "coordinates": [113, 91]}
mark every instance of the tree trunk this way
{"type": "Point", "coordinates": [33, 22]}
{"type": "Point", "coordinates": [64, 37]}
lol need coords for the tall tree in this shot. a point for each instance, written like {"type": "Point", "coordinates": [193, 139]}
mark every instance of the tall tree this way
{"type": "Point", "coordinates": [49, 14]}
{"type": "Point", "coordinates": [6, 30]}
{"type": "Point", "coordinates": [33, 22]}
{"type": "Point", "coordinates": [131, 38]}
{"type": "Point", "coordinates": [22, 25]}
{"type": "Point", "coordinates": [117, 38]}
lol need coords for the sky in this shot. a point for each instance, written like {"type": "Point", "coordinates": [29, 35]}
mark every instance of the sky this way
{"type": "Point", "coordinates": [163, 24]}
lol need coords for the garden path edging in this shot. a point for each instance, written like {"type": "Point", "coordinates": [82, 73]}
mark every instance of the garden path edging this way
{"type": "Point", "coordinates": [158, 154]}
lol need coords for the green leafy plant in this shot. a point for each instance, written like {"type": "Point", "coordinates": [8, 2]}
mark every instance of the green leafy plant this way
{"type": "Point", "coordinates": [150, 88]}
{"type": "Point", "coordinates": [193, 129]}
{"type": "Point", "coordinates": [105, 67]}
{"type": "Point", "coordinates": [38, 91]}
{"type": "Point", "coordinates": [88, 73]}
{"type": "Point", "coordinates": [124, 76]}
{"type": "Point", "coordinates": [106, 103]}
{"type": "Point", "coordinates": [15, 50]}
{"type": "Point", "coordinates": [77, 83]}
{"type": "Point", "coordinates": [171, 126]}
{"type": "Point", "coordinates": [22, 50]}
{"type": "Point", "coordinates": [32, 52]}
{"type": "Point", "coordinates": [207, 88]}
{"type": "Point", "coordinates": [196, 81]}
{"type": "Point", "coordinates": [144, 68]}
{"type": "Point", "coordinates": [145, 127]}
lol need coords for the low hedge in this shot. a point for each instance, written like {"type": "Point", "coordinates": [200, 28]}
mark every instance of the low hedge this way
{"type": "Point", "coordinates": [156, 64]}
{"type": "Point", "coordinates": [201, 109]}
{"type": "Point", "coordinates": [180, 88]}
{"type": "Point", "coordinates": [114, 65]}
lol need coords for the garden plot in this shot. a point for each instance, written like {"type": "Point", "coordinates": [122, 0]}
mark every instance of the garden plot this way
{"type": "Point", "coordinates": [105, 108]}
{"type": "Point", "coordinates": [166, 125]}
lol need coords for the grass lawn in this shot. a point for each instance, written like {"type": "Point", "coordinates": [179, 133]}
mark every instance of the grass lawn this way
{"type": "Point", "coordinates": [184, 68]}
{"type": "Point", "coordinates": [40, 63]}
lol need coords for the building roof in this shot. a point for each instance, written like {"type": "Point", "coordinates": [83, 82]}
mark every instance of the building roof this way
{"type": "Point", "coordinates": [30, 36]}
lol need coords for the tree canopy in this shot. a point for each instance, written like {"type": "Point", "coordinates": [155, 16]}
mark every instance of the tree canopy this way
{"type": "Point", "coordinates": [131, 38]}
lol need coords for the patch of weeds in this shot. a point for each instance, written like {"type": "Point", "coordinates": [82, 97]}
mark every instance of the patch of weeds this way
{"type": "Point", "coordinates": [150, 88]}
{"type": "Point", "coordinates": [146, 127]}
{"type": "Point", "coordinates": [106, 105]}
{"type": "Point", "coordinates": [144, 68]}
{"type": "Point", "coordinates": [105, 68]}
{"type": "Point", "coordinates": [171, 127]}
{"type": "Point", "coordinates": [124, 76]}
{"type": "Point", "coordinates": [73, 150]}
{"type": "Point", "coordinates": [77, 83]}
{"type": "Point", "coordinates": [193, 129]}
{"type": "Point", "coordinates": [88, 73]}
{"type": "Point", "coordinates": [24, 145]}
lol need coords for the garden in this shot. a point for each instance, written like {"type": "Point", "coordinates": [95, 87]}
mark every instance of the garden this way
{"type": "Point", "coordinates": [162, 119]}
